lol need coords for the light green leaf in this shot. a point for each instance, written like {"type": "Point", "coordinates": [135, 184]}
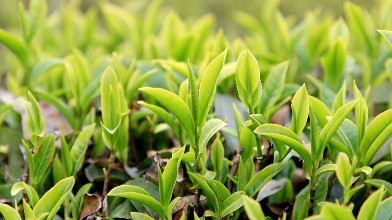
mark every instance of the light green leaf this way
{"type": "Point", "coordinates": [78, 149]}
{"type": "Point", "coordinates": [274, 85]}
{"type": "Point", "coordinates": [42, 67]}
{"type": "Point", "coordinates": [217, 155]}
{"type": "Point", "coordinates": [334, 63]}
{"type": "Point", "coordinates": [208, 87]}
{"type": "Point", "coordinates": [209, 129]}
{"type": "Point", "coordinates": [52, 199]}
{"type": "Point", "coordinates": [387, 35]}
{"type": "Point", "coordinates": [35, 120]}
{"type": "Point", "coordinates": [163, 114]}
{"type": "Point", "coordinates": [206, 190]}
{"type": "Point", "coordinates": [370, 207]}
{"type": "Point", "coordinates": [176, 105]}
{"type": "Point", "coordinates": [140, 216]}
{"type": "Point", "coordinates": [42, 158]}
{"type": "Point", "coordinates": [37, 14]}
{"type": "Point", "coordinates": [247, 75]}
{"type": "Point", "coordinates": [326, 168]}
{"type": "Point", "coordinates": [28, 212]}
{"type": "Point", "coordinates": [314, 132]}
{"type": "Point", "coordinates": [340, 98]}
{"type": "Point", "coordinates": [15, 45]}
{"type": "Point", "coordinates": [138, 194]}
{"type": "Point", "coordinates": [286, 136]}
{"type": "Point", "coordinates": [110, 98]}
{"type": "Point", "coordinates": [169, 176]}
{"type": "Point", "coordinates": [300, 110]}
{"type": "Point", "coordinates": [79, 198]}
{"type": "Point", "coordinates": [232, 203]}
{"type": "Point", "coordinates": [344, 170]}
{"type": "Point", "coordinates": [361, 113]}
{"type": "Point", "coordinates": [30, 192]}
{"type": "Point", "coordinates": [194, 92]}
{"type": "Point", "coordinates": [262, 177]}
{"type": "Point", "coordinates": [252, 208]}
{"type": "Point", "coordinates": [332, 126]}
{"type": "Point", "coordinates": [376, 133]}
{"type": "Point", "coordinates": [332, 211]}
{"type": "Point", "coordinates": [9, 213]}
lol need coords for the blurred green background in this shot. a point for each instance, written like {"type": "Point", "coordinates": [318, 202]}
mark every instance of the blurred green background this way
{"type": "Point", "coordinates": [222, 9]}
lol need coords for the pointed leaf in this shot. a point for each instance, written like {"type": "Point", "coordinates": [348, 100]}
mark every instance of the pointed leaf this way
{"type": "Point", "coordinates": [51, 201]}
{"type": "Point", "coordinates": [387, 35]}
{"type": "Point", "coordinates": [209, 129]}
{"type": "Point", "coordinates": [43, 157]}
{"type": "Point", "coordinates": [170, 175]}
{"type": "Point", "coordinates": [79, 148]}
{"type": "Point", "coordinates": [262, 177]}
{"type": "Point", "coordinates": [9, 213]}
{"type": "Point", "coordinates": [286, 136]}
{"type": "Point", "coordinates": [208, 87]}
{"type": "Point", "coordinates": [332, 126]}
{"type": "Point", "coordinates": [231, 204]}
{"type": "Point", "coordinates": [252, 208]}
{"type": "Point", "coordinates": [30, 192]}
{"type": "Point", "coordinates": [370, 207]}
{"type": "Point", "coordinates": [300, 109]}
{"type": "Point", "coordinates": [376, 133]}
{"type": "Point", "coordinates": [138, 194]}
{"type": "Point", "coordinates": [344, 170]}
{"type": "Point", "coordinates": [174, 104]}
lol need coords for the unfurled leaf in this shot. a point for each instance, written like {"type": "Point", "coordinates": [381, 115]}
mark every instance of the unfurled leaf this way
{"type": "Point", "coordinates": [78, 149]}
{"type": "Point", "coordinates": [164, 115]}
{"type": "Point", "coordinates": [370, 207]}
{"type": "Point", "coordinates": [208, 87]}
{"type": "Point", "coordinates": [287, 137]}
{"type": "Point", "coordinates": [174, 104]}
{"type": "Point", "coordinates": [378, 130]}
{"type": "Point", "coordinates": [232, 203]}
{"type": "Point", "coordinates": [262, 177]}
{"type": "Point", "coordinates": [273, 86]}
{"type": "Point", "coordinates": [30, 192]}
{"type": "Point", "coordinates": [380, 183]}
{"type": "Point", "coordinates": [42, 158]}
{"type": "Point", "coordinates": [140, 216]}
{"type": "Point", "coordinates": [28, 212]}
{"type": "Point", "coordinates": [42, 67]}
{"type": "Point", "coordinates": [217, 155]}
{"type": "Point", "coordinates": [334, 63]}
{"type": "Point", "coordinates": [9, 213]}
{"type": "Point", "coordinates": [344, 170]}
{"type": "Point", "coordinates": [336, 212]}
{"type": "Point", "coordinates": [137, 194]}
{"type": "Point", "coordinates": [169, 177]}
{"type": "Point", "coordinates": [206, 190]}
{"type": "Point", "coordinates": [247, 75]}
{"type": "Point", "coordinates": [384, 209]}
{"type": "Point", "coordinates": [252, 208]}
{"type": "Point", "coordinates": [209, 129]}
{"type": "Point", "coordinates": [15, 45]}
{"type": "Point", "coordinates": [332, 126]}
{"type": "Point", "coordinates": [326, 168]}
{"type": "Point", "coordinates": [300, 110]}
{"type": "Point", "coordinates": [51, 201]}
{"type": "Point", "coordinates": [301, 205]}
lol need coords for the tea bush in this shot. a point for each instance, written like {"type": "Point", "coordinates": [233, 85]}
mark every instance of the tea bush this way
{"type": "Point", "coordinates": [127, 111]}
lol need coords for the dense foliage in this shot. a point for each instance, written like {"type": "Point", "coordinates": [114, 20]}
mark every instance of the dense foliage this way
{"type": "Point", "coordinates": [133, 112]}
